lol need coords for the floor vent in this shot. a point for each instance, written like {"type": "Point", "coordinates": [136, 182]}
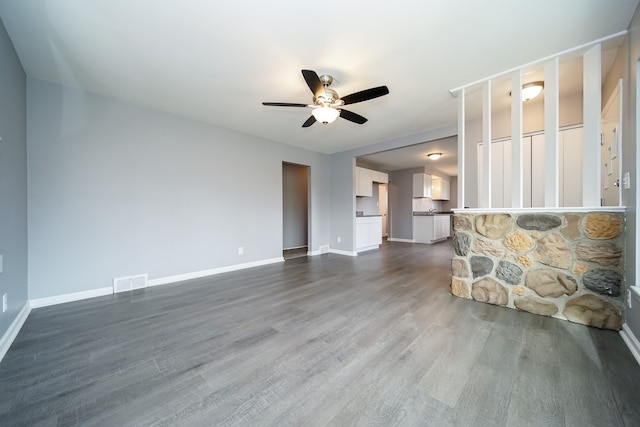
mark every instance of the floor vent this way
{"type": "Point", "coordinates": [324, 249]}
{"type": "Point", "coordinates": [123, 284]}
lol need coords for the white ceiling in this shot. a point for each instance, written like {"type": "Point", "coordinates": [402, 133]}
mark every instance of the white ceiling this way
{"type": "Point", "coordinates": [217, 61]}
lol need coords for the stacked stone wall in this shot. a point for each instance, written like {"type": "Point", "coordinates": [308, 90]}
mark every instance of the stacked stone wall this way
{"type": "Point", "coordinates": [565, 265]}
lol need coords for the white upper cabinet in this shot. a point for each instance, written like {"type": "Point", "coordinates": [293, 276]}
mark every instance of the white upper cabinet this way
{"type": "Point", "coordinates": [421, 185]}
{"type": "Point", "coordinates": [441, 188]}
{"type": "Point", "coordinates": [365, 179]}
{"type": "Point", "coordinates": [364, 182]}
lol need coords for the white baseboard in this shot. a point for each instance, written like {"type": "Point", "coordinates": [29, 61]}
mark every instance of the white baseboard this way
{"type": "Point", "coordinates": [631, 341]}
{"type": "Point", "coordinates": [7, 339]}
{"type": "Point", "coordinates": [76, 296]}
{"type": "Point", "coordinates": [393, 239]}
{"type": "Point", "coordinates": [341, 252]}
{"type": "Point", "coordinates": [204, 273]}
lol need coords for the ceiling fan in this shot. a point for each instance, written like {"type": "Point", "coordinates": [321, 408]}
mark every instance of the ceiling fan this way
{"type": "Point", "coordinates": [327, 105]}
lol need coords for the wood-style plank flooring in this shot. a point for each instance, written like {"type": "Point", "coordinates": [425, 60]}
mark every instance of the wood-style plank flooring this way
{"type": "Point", "coordinates": [314, 341]}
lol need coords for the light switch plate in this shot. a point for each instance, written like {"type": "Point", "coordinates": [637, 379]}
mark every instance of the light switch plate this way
{"type": "Point", "coordinates": [626, 181]}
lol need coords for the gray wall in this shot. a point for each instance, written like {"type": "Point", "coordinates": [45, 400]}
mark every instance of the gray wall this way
{"type": "Point", "coordinates": [343, 205]}
{"type": "Point", "coordinates": [401, 203]}
{"type": "Point", "coordinates": [13, 181]}
{"type": "Point", "coordinates": [629, 162]}
{"type": "Point", "coordinates": [369, 205]}
{"type": "Point", "coordinates": [116, 189]}
{"type": "Point", "coordinates": [295, 202]}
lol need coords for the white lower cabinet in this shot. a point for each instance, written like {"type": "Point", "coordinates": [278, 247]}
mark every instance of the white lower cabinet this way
{"type": "Point", "coordinates": [431, 228]}
{"type": "Point", "coordinates": [368, 233]}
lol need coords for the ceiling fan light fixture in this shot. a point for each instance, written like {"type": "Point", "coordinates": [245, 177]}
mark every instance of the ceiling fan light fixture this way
{"type": "Point", "coordinates": [434, 156]}
{"type": "Point", "coordinates": [531, 90]}
{"type": "Point", "coordinates": [325, 114]}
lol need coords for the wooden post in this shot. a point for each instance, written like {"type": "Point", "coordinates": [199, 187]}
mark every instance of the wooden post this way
{"type": "Point", "coordinates": [485, 202]}
{"type": "Point", "coordinates": [592, 104]}
{"type": "Point", "coordinates": [461, 147]}
{"type": "Point", "coordinates": [551, 134]}
{"type": "Point", "coordinates": [516, 140]}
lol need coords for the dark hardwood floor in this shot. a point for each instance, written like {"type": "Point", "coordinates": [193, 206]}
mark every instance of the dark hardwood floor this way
{"type": "Point", "coordinates": [314, 341]}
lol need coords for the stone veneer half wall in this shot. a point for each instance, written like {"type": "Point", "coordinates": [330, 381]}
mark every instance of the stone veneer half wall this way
{"type": "Point", "coordinates": [568, 265]}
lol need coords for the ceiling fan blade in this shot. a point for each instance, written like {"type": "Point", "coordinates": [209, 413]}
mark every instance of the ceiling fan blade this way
{"type": "Point", "coordinates": [352, 117]}
{"type": "Point", "coordinates": [311, 120]}
{"type": "Point", "coordinates": [365, 95]}
{"type": "Point", "coordinates": [313, 81]}
{"type": "Point", "coordinates": [283, 104]}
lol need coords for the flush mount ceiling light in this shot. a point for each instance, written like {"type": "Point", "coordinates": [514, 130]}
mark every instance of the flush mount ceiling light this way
{"type": "Point", "coordinates": [434, 156]}
{"type": "Point", "coordinates": [325, 114]}
{"type": "Point", "coordinates": [531, 90]}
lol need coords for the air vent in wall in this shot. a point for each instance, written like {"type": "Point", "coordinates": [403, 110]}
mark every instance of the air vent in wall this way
{"type": "Point", "coordinates": [123, 284]}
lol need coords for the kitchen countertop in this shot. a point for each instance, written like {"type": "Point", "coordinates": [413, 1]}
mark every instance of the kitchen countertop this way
{"type": "Point", "coordinates": [432, 213]}
{"type": "Point", "coordinates": [365, 216]}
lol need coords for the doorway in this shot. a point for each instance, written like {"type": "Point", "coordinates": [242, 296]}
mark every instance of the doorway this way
{"type": "Point", "coordinates": [611, 148]}
{"type": "Point", "coordinates": [383, 207]}
{"type": "Point", "coordinates": [295, 210]}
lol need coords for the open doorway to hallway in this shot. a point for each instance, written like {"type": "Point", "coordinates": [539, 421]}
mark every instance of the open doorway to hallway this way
{"type": "Point", "coordinates": [295, 210]}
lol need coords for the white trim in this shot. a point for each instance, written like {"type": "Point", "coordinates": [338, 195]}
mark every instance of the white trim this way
{"type": "Point", "coordinates": [204, 273]}
{"type": "Point", "coordinates": [631, 341]}
{"type": "Point", "coordinates": [532, 210]}
{"type": "Point", "coordinates": [324, 249]}
{"type": "Point", "coordinates": [394, 239]}
{"type": "Point", "coordinates": [341, 252]}
{"type": "Point", "coordinates": [573, 50]}
{"type": "Point", "coordinates": [76, 296]}
{"type": "Point", "coordinates": [368, 248]}
{"type": "Point", "coordinates": [635, 290]}
{"type": "Point", "coordinates": [10, 335]}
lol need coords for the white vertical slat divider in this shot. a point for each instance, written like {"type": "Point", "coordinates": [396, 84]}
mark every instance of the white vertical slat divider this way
{"type": "Point", "coordinates": [592, 104]}
{"type": "Point", "coordinates": [551, 134]}
{"type": "Point", "coordinates": [486, 145]}
{"type": "Point", "coordinates": [461, 138]}
{"type": "Point", "coordinates": [516, 140]}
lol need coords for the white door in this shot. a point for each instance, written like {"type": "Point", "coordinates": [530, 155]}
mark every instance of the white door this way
{"type": "Point", "coordinates": [383, 203]}
{"type": "Point", "coordinates": [611, 148]}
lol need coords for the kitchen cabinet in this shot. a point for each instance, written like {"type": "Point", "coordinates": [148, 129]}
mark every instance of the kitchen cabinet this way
{"type": "Point", "coordinates": [431, 228]}
{"type": "Point", "coordinates": [421, 185]}
{"type": "Point", "coordinates": [380, 177]}
{"type": "Point", "coordinates": [440, 188]}
{"type": "Point", "coordinates": [365, 179]}
{"type": "Point", "coordinates": [368, 233]}
{"type": "Point", "coordinates": [364, 182]}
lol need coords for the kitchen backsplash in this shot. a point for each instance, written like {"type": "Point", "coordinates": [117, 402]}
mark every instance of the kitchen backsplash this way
{"type": "Point", "coordinates": [426, 204]}
{"type": "Point", "coordinates": [369, 205]}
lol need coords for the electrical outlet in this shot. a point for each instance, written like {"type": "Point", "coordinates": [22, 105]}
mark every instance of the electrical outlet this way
{"type": "Point", "coordinates": [339, 239]}
{"type": "Point", "coordinates": [4, 303]}
{"type": "Point", "coordinates": [240, 250]}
